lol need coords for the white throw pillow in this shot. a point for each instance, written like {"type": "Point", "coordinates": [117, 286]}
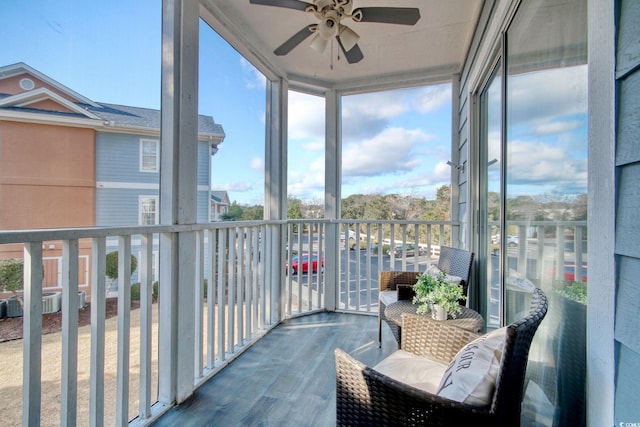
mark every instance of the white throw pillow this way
{"type": "Point", "coordinates": [434, 271]}
{"type": "Point", "coordinates": [471, 376]}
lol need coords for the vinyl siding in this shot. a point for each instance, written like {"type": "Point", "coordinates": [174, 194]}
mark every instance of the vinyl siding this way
{"type": "Point", "coordinates": [118, 207]}
{"type": "Point", "coordinates": [627, 227]}
{"type": "Point", "coordinates": [118, 161]}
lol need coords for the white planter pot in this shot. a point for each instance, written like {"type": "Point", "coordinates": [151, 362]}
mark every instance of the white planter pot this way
{"type": "Point", "coordinates": [438, 312]}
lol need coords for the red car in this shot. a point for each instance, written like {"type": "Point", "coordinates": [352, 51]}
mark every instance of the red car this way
{"type": "Point", "coordinates": [296, 262]}
{"type": "Point", "coordinates": [570, 273]}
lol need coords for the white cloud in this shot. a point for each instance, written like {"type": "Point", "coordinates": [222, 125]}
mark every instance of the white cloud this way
{"type": "Point", "coordinates": [391, 151]}
{"type": "Point", "coordinates": [557, 127]}
{"type": "Point", "coordinates": [543, 96]}
{"type": "Point", "coordinates": [306, 116]}
{"type": "Point", "coordinates": [238, 186]}
{"type": "Point", "coordinates": [532, 162]}
{"type": "Point", "coordinates": [430, 98]}
{"type": "Point", "coordinates": [257, 164]}
{"type": "Point", "coordinates": [256, 79]}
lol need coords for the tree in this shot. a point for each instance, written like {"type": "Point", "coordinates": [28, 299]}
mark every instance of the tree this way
{"type": "Point", "coordinates": [112, 267]}
{"type": "Point", "coordinates": [12, 277]}
{"type": "Point", "coordinates": [234, 213]}
{"type": "Point", "coordinates": [294, 208]}
{"type": "Point", "coordinates": [255, 212]}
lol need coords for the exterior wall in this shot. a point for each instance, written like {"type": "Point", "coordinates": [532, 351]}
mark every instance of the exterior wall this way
{"type": "Point", "coordinates": [11, 86]}
{"type": "Point", "coordinates": [120, 181]}
{"type": "Point", "coordinates": [118, 159]}
{"type": "Point", "coordinates": [47, 175]}
{"type": "Point", "coordinates": [627, 239]}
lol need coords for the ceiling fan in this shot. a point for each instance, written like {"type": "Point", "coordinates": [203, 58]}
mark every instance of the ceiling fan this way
{"type": "Point", "coordinates": [330, 13]}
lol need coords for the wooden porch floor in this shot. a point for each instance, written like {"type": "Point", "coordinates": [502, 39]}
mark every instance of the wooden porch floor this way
{"type": "Point", "coordinates": [287, 378]}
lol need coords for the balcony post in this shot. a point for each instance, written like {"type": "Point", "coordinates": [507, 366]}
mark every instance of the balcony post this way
{"type": "Point", "coordinates": [332, 194]}
{"type": "Point", "coordinates": [275, 192]}
{"type": "Point", "coordinates": [178, 185]}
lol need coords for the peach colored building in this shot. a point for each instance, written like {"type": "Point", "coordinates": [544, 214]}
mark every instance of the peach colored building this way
{"type": "Point", "coordinates": [51, 141]}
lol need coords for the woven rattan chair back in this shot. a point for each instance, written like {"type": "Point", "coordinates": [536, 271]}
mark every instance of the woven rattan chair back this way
{"type": "Point", "coordinates": [456, 262]}
{"type": "Point", "coordinates": [507, 399]}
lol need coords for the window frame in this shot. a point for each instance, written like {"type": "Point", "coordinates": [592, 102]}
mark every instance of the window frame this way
{"type": "Point", "coordinates": [141, 212]}
{"type": "Point", "coordinates": [156, 167]}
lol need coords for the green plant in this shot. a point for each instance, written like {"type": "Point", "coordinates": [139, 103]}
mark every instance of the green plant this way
{"type": "Point", "coordinates": [135, 291]}
{"type": "Point", "coordinates": [576, 291]}
{"type": "Point", "coordinates": [112, 267]}
{"type": "Point", "coordinates": [11, 276]}
{"type": "Point", "coordinates": [437, 290]}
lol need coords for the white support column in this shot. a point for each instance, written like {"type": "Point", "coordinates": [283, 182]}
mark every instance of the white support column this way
{"type": "Point", "coordinates": [455, 173]}
{"type": "Point", "coordinates": [332, 194]}
{"type": "Point", "coordinates": [276, 187]}
{"type": "Point", "coordinates": [178, 185]}
{"type": "Point", "coordinates": [601, 306]}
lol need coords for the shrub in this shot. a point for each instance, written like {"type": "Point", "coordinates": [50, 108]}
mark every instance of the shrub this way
{"type": "Point", "coordinates": [112, 267]}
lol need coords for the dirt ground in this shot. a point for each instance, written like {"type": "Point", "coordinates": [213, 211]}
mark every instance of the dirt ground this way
{"type": "Point", "coordinates": [11, 365]}
{"type": "Point", "coordinates": [11, 327]}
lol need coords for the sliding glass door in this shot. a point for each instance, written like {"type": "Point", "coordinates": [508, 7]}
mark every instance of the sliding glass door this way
{"type": "Point", "coordinates": [533, 198]}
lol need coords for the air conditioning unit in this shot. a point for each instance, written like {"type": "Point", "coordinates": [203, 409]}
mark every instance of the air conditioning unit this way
{"type": "Point", "coordinates": [51, 303]}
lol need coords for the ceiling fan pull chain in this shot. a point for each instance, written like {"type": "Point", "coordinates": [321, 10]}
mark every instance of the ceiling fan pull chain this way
{"type": "Point", "coordinates": [331, 65]}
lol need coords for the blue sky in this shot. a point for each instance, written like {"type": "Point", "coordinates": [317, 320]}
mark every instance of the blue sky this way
{"type": "Point", "coordinates": [111, 53]}
{"type": "Point", "coordinates": [393, 142]}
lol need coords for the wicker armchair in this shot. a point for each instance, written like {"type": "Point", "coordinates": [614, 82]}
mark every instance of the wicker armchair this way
{"type": "Point", "coordinates": [453, 261]}
{"type": "Point", "coordinates": [367, 397]}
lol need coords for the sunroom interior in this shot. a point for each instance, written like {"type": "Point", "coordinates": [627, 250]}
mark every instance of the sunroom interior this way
{"type": "Point", "coordinates": [518, 77]}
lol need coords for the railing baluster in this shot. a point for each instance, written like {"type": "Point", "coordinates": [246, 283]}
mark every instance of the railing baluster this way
{"type": "Point", "coordinates": [211, 297]}
{"type": "Point", "coordinates": [69, 374]}
{"type": "Point", "coordinates": [146, 296]}
{"type": "Point", "coordinates": [222, 238]}
{"type": "Point", "coordinates": [239, 288]}
{"type": "Point", "coordinates": [124, 315]}
{"type": "Point", "coordinates": [198, 312]}
{"type": "Point", "coordinates": [231, 297]}
{"type": "Point", "coordinates": [98, 301]}
{"type": "Point", "coordinates": [32, 334]}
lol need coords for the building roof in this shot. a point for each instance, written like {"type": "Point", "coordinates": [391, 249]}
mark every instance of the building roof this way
{"type": "Point", "coordinates": [54, 99]}
{"type": "Point", "coordinates": [220, 197]}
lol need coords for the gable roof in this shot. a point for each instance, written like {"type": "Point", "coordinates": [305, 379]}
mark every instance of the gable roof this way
{"type": "Point", "coordinates": [42, 100]}
{"type": "Point", "coordinates": [220, 197]}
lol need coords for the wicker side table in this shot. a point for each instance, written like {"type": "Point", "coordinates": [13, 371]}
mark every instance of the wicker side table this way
{"type": "Point", "coordinates": [468, 319]}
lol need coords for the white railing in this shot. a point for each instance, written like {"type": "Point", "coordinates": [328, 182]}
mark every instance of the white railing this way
{"type": "Point", "coordinates": [236, 299]}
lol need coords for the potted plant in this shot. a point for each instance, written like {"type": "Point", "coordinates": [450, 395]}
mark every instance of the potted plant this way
{"type": "Point", "coordinates": [436, 294]}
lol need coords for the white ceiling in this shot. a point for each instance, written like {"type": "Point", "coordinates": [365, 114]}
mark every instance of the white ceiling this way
{"type": "Point", "coordinates": [432, 50]}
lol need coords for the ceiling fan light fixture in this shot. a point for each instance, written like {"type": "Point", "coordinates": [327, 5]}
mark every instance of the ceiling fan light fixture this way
{"type": "Point", "coordinates": [328, 27]}
{"type": "Point", "coordinates": [348, 37]}
{"type": "Point", "coordinates": [319, 43]}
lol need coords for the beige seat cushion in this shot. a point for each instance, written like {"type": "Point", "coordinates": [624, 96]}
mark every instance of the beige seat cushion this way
{"type": "Point", "coordinates": [416, 371]}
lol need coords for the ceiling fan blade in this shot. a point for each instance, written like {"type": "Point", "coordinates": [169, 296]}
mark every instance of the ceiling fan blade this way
{"type": "Point", "coordinates": [289, 4]}
{"type": "Point", "coordinates": [389, 15]}
{"type": "Point", "coordinates": [354, 55]}
{"type": "Point", "coordinates": [294, 41]}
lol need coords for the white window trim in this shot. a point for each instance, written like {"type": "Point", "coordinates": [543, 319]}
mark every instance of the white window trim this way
{"type": "Point", "coordinates": [140, 212]}
{"type": "Point", "coordinates": [157, 144]}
